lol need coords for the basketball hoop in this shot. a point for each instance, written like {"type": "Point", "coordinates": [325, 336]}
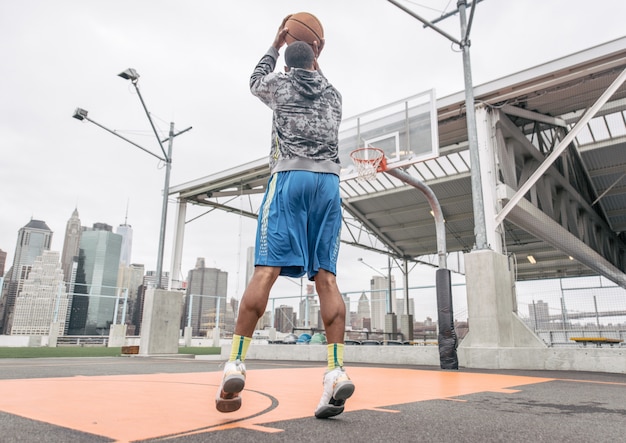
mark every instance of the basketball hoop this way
{"type": "Point", "coordinates": [368, 162]}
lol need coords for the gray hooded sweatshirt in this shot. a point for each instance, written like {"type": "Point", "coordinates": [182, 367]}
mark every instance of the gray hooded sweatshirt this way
{"type": "Point", "coordinates": [307, 114]}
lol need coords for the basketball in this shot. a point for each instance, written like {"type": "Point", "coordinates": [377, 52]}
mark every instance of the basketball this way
{"type": "Point", "coordinates": [304, 27]}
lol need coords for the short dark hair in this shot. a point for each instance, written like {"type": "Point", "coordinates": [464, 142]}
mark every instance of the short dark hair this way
{"type": "Point", "coordinates": [299, 55]}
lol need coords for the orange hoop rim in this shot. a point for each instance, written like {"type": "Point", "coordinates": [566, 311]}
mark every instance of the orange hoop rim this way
{"type": "Point", "coordinates": [376, 159]}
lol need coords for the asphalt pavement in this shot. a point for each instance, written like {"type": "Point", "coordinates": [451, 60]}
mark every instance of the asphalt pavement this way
{"type": "Point", "coordinates": [154, 399]}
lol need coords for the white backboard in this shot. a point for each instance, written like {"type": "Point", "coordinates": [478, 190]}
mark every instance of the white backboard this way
{"type": "Point", "coordinates": [405, 130]}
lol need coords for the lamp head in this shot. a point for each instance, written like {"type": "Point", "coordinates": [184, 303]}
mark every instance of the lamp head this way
{"type": "Point", "coordinates": [129, 74]}
{"type": "Point", "coordinates": [80, 114]}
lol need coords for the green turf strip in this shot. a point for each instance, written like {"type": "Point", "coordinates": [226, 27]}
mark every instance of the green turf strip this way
{"type": "Point", "coordinates": [87, 351]}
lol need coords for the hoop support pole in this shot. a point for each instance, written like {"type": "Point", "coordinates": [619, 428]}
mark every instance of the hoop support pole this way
{"type": "Point", "coordinates": [435, 207]}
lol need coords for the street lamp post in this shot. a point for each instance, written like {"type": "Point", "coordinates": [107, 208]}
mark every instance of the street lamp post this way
{"type": "Point", "coordinates": [480, 229]}
{"type": "Point", "coordinates": [390, 328]}
{"type": "Point", "coordinates": [387, 277]}
{"type": "Point", "coordinates": [82, 114]}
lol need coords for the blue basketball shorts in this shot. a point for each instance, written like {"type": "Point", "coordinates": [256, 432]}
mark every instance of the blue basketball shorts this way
{"type": "Point", "coordinates": [299, 223]}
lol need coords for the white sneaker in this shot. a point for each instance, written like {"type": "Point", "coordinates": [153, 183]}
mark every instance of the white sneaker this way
{"type": "Point", "coordinates": [337, 389]}
{"type": "Point", "coordinates": [233, 381]}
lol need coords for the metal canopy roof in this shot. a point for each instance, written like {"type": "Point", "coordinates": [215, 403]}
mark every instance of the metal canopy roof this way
{"type": "Point", "coordinates": [583, 195]}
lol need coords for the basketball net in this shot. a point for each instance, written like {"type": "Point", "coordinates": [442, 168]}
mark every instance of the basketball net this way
{"type": "Point", "coordinates": [368, 162]}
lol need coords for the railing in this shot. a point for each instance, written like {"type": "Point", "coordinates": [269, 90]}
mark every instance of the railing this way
{"type": "Point", "coordinates": [83, 340]}
{"type": "Point", "coordinates": [564, 337]}
{"type": "Point", "coordinates": [556, 311]}
{"type": "Point", "coordinates": [568, 308]}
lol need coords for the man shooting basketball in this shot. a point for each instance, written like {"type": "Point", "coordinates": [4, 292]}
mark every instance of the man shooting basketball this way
{"type": "Point", "coordinates": [300, 217]}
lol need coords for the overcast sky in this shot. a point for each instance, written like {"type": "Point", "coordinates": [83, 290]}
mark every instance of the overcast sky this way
{"type": "Point", "coordinates": [195, 58]}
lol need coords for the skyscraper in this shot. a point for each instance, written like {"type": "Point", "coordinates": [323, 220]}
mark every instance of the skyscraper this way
{"type": "Point", "coordinates": [126, 231]}
{"type": "Point", "coordinates": [401, 306]}
{"type": "Point", "coordinates": [363, 311]}
{"type": "Point", "coordinates": [130, 278]}
{"type": "Point", "coordinates": [206, 288]}
{"type": "Point", "coordinates": [3, 261]}
{"type": "Point", "coordinates": [249, 264]}
{"type": "Point", "coordinates": [284, 318]}
{"type": "Point", "coordinates": [43, 299]}
{"type": "Point", "coordinates": [309, 309]}
{"type": "Point", "coordinates": [32, 240]}
{"type": "Point", "coordinates": [95, 290]}
{"type": "Point", "coordinates": [71, 243]}
{"type": "Point", "coordinates": [539, 313]}
{"type": "Point", "coordinates": [150, 279]}
{"type": "Point", "coordinates": [380, 288]}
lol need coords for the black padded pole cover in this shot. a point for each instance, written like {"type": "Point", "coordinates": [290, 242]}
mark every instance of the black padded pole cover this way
{"type": "Point", "coordinates": [447, 336]}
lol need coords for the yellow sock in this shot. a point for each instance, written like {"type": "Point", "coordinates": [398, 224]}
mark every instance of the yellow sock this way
{"type": "Point", "coordinates": [335, 355]}
{"type": "Point", "coordinates": [239, 348]}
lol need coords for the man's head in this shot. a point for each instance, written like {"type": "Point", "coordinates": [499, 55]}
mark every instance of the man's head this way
{"type": "Point", "coordinates": [299, 55]}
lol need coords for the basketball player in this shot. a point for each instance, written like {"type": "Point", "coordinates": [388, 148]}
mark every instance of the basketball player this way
{"type": "Point", "coordinates": [300, 217]}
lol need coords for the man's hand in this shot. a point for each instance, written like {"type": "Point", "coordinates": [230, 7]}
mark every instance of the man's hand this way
{"type": "Point", "coordinates": [279, 40]}
{"type": "Point", "coordinates": [318, 46]}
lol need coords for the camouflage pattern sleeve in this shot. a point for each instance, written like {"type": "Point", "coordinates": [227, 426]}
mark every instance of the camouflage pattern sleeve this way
{"type": "Point", "coordinates": [261, 84]}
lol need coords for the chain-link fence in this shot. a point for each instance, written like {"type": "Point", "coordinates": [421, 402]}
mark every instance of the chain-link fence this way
{"type": "Point", "coordinates": [558, 311]}
{"type": "Point", "coordinates": [572, 311]}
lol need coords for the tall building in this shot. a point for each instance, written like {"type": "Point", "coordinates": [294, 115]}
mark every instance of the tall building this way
{"type": "Point", "coordinates": [249, 263]}
{"type": "Point", "coordinates": [401, 306]}
{"type": "Point", "coordinates": [380, 288]}
{"type": "Point", "coordinates": [308, 312]}
{"type": "Point", "coordinates": [150, 279]}
{"type": "Point", "coordinates": [44, 300]}
{"type": "Point", "coordinates": [3, 261]}
{"type": "Point", "coordinates": [363, 311]}
{"type": "Point", "coordinates": [126, 231]}
{"type": "Point", "coordinates": [95, 290]}
{"type": "Point", "coordinates": [265, 321]}
{"type": "Point", "coordinates": [205, 301]}
{"type": "Point", "coordinates": [130, 282]}
{"type": "Point", "coordinates": [308, 309]}
{"type": "Point", "coordinates": [231, 315]}
{"type": "Point", "coordinates": [539, 313]}
{"type": "Point", "coordinates": [32, 240]}
{"type": "Point", "coordinates": [284, 318]}
{"type": "Point", "coordinates": [71, 243]}
{"type": "Point", "coordinates": [346, 302]}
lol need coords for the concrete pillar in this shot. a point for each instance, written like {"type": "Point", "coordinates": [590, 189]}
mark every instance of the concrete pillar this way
{"type": "Point", "coordinates": [406, 325]}
{"type": "Point", "coordinates": [216, 337]}
{"type": "Point", "coordinates": [490, 296]}
{"type": "Point", "coordinates": [160, 324]}
{"type": "Point", "coordinates": [391, 326]}
{"type": "Point", "coordinates": [272, 334]}
{"type": "Point", "coordinates": [54, 334]}
{"type": "Point", "coordinates": [117, 336]}
{"type": "Point", "coordinates": [188, 334]}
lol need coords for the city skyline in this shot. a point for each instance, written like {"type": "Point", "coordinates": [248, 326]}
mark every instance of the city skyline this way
{"type": "Point", "coordinates": [79, 289]}
{"type": "Point", "coordinates": [378, 284]}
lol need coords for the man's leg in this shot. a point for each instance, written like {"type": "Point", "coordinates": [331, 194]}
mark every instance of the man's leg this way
{"type": "Point", "coordinates": [337, 385]}
{"type": "Point", "coordinates": [332, 307]}
{"type": "Point", "coordinates": [255, 298]}
{"type": "Point", "coordinates": [252, 308]}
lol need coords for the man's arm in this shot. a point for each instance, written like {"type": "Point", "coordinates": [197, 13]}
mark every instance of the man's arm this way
{"type": "Point", "coordinates": [259, 86]}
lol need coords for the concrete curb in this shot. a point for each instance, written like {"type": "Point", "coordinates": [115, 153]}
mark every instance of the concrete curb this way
{"type": "Point", "coordinates": [608, 360]}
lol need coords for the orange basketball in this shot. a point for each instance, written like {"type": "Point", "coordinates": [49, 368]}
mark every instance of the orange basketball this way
{"type": "Point", "coordinates": [304, 27]}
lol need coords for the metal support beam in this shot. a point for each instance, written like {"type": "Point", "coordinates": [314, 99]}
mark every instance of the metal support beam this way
{"type": "Point", "coordinates": [534, 221]}
{"type": "Point", "coordinates": [179, 237]}
{"type": "Point", "coordinates": [533, 116]}
{"type": "Point", "coordinates": [558, 150]}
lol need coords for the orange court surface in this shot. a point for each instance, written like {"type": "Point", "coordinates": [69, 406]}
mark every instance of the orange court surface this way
{"type": "Point", "coordinates": [137, 399]}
